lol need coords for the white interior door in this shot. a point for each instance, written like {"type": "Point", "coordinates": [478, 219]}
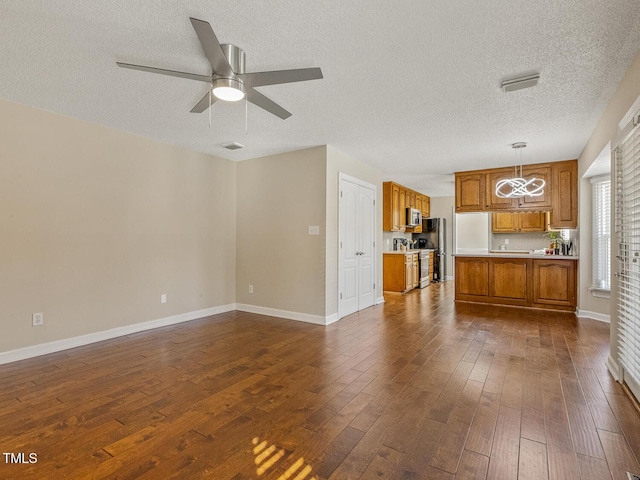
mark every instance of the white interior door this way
{"type": "Point", "coordinates": [356, 264]}
{"type": "Point", "coordinates": [365, 239]}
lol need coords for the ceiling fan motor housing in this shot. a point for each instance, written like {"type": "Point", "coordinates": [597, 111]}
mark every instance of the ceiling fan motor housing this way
{"type": "Point", "coordinates": [236, 57]}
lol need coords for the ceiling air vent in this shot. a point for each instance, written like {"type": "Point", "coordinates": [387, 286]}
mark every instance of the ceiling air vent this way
{"type": "Point", "coordinates": [233, 146]}
{"type": "Point", "coordinates": [519, 83]}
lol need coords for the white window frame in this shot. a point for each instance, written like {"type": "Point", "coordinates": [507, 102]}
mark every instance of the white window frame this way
{"type": "Point", "coordinates": [601, 239]}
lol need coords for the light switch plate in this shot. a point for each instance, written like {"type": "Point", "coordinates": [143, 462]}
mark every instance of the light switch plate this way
{"type": "Point", "coordinates": [314, 230]}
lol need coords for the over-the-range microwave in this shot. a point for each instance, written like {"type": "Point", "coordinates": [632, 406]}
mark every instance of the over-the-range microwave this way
{"type": "Point", "coordinates": [414, 217]}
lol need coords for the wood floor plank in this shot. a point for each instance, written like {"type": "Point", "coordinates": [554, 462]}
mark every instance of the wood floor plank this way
{"type": "Point", "coordinates": [620, 458]}
{"type": "Point", "coordinates": [503, 463]}
{"type": "Point", "coordinates": [533, 426]}
{"type": "Point", "coordinates": [480, 438]}
{"type": "Point", "coordinates": [533, 460]}
{"type": "Point", "coordinates": [593, 468]}
{"type": "Point", "coordinates": [473, 466]}
{"type": "Point", "coordinates": [451, 445]}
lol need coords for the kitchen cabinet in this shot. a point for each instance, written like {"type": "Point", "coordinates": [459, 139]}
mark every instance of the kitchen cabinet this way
{"type": "Point", "coordinates": [472, 278]}
{"type": "Point", "coordinates": [412, 279]}
{"type": "Point", "coordinates": [418, 205]}
{"type": "Point", "coordinates": [543, 172]}
{"type": "Point", "coordinates": [510, 281]}
{"type": "Point", "coordinates": [426, 207]}
{"type": "Point", "coordinates": [518, 222]}
{"type": "Point", "coordinates": [470, 192]}
{"type": "Point", "coordinates": [543, 283]}
{"type": "Point", "coordinates": [494, 202]}
{"type": "Point", "coordinates": [411, 199]}
{"type": "Point", "coordinates": [392, 211]}
{"type": "Point", "coordinates": [554, 283]}
{"type": "Point", "coordinates": [395, 200]}
{"type": "Point", "coordinates": [400, 272]}
{"type": "Point", "coordinates": [564, 212]}
{"type": "Point", "coordinates": [475, 191]}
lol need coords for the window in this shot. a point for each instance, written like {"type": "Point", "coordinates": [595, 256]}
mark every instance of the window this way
{"type": "Point", "coordinates": [601, 187]}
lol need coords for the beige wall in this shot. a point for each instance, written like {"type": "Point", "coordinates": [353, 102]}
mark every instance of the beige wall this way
{"type": "Point", "coordinates": [607, 130]}
{"type": "Point", "coordinates": [279, 197]}
{"type": "Point", "coordinates": [442, 207]}
{"type": "Point", "coordinates": [95, 224]}
{"type": "Point", "coordinates": [337, 162]}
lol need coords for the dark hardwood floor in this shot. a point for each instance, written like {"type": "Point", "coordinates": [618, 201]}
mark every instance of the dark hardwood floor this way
{"type": "Point", "coordinates": [416, 388]}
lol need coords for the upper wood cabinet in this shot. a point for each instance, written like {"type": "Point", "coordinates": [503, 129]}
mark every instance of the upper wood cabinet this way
{"type": "Point", "coordinates": [494, 202]}
{"type": "Point", "coordinates": [565, 194]}
{"type": "Point", "coordinates": [470, 192]}
{"type": "Point", "coordinates": [426, 207]}
{"type": "Point", "coordinates": [540, 171]}
{"type": "Point", "coordinates": [543, 172]}
{"type": "Point", "coordinates": [518, 222]}
{"type": "Point", "coordinates": [475, 191]}
{"type": "Point", "coordinates": [395, 200]}
{"type": "Point", "coordinates": [418, 204]}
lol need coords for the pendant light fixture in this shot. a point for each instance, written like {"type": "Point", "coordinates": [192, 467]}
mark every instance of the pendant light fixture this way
{"type": "Point", "coordinates": [518, 186]}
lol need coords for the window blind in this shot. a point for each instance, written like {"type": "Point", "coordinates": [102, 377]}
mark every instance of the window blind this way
{"type": "Point", "coordinates": [601, 237]}
{"type": "Point", "coordinates": [627, 225]}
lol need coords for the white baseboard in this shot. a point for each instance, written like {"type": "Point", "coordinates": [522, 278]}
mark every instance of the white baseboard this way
{"type": "Point", "coordinates": [448, 277]}
{"type": "Point", "coordinates": [601, 317]}
{"type": "Point", "coordinates": [379, 300]}
{"type": "Point", "coordinates": [274, 312]}
{"type": "Point", "coordinates": [613, 368]}
{"type": "Point", "coordinates": [64, 344]}
{"type": "Point", "coordinates": [332, 319]}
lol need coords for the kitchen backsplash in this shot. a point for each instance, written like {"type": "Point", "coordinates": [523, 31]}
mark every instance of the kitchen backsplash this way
{"type": "Point", "coordinates": [387, 239]}
{"type": "Point", "coordinates": [528, 241]}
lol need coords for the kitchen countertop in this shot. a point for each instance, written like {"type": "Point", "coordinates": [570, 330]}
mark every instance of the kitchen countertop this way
{"type": "Point", "coordinates": [507, 254]}
{"type": "Point", "coordinates": [413, 250]}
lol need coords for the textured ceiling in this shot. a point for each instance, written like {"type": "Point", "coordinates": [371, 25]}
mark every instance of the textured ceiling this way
{"type": "Point", "coordinates": [410, 87]}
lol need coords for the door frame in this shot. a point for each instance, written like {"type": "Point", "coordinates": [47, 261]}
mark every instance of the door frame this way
{"type": "Point", "coordinates": [344, 177]}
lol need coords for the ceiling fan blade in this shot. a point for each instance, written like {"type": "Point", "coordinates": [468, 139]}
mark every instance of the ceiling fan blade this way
{"type": "Point", "coordinates": [172, 73]}
{"type": "Point", "coordinates": [203, 104]}
{"type": "Point", "coordinates": [260, 79]}
{"type": "Point", "coordinates": [270, 106]}
{"type": "Point", "coordinates": [211, 47]}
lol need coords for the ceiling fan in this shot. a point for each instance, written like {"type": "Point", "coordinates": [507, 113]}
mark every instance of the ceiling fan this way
{"type": "Point", "coordinates": [228, 79]}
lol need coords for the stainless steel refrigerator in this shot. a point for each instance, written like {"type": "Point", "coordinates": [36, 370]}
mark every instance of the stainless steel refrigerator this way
{"type": "Point", "coordinates": [434, 236]}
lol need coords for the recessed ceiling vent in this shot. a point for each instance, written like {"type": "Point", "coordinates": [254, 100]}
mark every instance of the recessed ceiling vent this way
{"type": "Point", "coordinates": [519, 83]}
{"type": "Point", "coordinates": [233, 146]}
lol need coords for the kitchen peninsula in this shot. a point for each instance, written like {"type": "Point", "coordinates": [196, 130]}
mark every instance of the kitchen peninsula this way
{"type": "Point", "coordinates": [517, 279]}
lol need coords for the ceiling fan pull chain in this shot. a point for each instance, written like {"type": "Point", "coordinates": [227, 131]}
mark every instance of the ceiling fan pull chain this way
{"type": "Point", "coordinates": [246, 116]}
{"type": "Point", "coordinates": [210, 105]}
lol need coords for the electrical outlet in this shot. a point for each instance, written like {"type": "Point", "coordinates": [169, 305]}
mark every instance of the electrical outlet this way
{"type": "Point", "coordinates": [250, 288]}
{"type": "Point", "coordinates": [37, 319]}
{"type": "Point", "coordinates": [506, 241]}
{"type": "Point", "coordinates": [314, 230]}
{"type": "Point", "coordinates": [163, 298]}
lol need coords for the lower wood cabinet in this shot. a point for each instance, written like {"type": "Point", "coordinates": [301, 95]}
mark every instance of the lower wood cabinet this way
{"type": "Point", "coordinates": [400, 273]}
{"type": "Point", "coordinates": [554, 283]}
{"type": "Point", "coordinates": [510, 280]}
{"type": "Point", "coordinates": [545, 283]}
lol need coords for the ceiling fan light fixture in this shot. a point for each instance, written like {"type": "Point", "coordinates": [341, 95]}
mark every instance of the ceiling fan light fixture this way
{"type": "Point", "coordinates": [228, 89]}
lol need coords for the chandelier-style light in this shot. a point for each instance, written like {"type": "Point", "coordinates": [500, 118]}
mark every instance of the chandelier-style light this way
{"type": "Point", "coordinates": [518, 187]}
